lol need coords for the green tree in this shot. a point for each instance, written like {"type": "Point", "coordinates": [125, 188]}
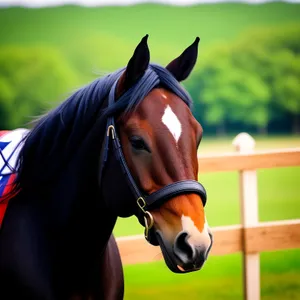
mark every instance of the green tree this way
{"type": "Point", "coordinates": [287, 87]}
{"type": "Point", "coordinates": [285, 46]}
{"type": "Point", "coordinates": [250, 81]}
{"type": "Point", "coordinates": [31, 80]}
{"type": "Point", "coordinates": [6, 101]}
{"type": "Point", "coordinates": [230, 91]}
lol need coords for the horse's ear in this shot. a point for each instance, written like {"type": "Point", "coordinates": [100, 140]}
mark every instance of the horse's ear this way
{"type": "Point", "coordinates": [136, 66]}
{"type": "Point", "coordinates": [182, 66]}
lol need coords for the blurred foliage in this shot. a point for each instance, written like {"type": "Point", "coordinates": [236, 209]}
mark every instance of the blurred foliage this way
{"type": "Point", "coordinates": [252, 81]}
{"type": "Point", "coordinates": [248, 81]}
{"type": "Point", "coordinates": [31, 79]}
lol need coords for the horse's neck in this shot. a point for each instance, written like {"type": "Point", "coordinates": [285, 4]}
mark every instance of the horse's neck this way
{"type": "Point", "coordinates": [82, 205]}
{"type": "Point", "coordinates": [86, 228]}
{"type": "Point", "coordinates": [77, 213]}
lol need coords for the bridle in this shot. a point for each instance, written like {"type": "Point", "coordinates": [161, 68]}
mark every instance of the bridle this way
{"type": "Point", "coordinates": [144, 202]}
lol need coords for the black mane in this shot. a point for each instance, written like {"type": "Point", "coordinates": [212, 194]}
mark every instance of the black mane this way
{"type": "Point", "coordinates": [60, 133]}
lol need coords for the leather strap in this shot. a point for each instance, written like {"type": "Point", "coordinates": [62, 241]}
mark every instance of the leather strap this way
{"type": "Point", "coordinates": [157, 198]}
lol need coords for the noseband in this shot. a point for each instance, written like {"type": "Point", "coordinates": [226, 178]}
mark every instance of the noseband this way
{"type": "Point", "coordinates": [144, 202]}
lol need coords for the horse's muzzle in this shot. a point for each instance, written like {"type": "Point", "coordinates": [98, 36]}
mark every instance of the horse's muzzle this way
{"type": "Point", "coordinates": [183, 257]}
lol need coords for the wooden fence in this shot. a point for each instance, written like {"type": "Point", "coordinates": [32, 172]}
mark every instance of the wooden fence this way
{"type": "Point", "coordinates": [251, 236]}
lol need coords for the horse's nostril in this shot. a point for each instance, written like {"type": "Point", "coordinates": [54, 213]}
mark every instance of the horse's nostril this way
{"type": "Point", "coordinates": [183, 249]}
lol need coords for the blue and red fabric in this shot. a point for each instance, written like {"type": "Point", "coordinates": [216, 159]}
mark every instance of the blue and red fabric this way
{"type": "Point", "coordinates": [9, 147]}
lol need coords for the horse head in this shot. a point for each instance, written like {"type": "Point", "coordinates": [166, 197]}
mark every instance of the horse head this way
{"type": "Point", "coordinates": [159, 140]}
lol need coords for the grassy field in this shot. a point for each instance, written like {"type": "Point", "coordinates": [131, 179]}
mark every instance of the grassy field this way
{"type": "Point", "coordinates": [221, 278]}
{"type": "Point", "coordinates": [105, 37]}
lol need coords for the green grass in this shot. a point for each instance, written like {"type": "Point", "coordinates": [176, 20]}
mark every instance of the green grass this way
{"type": "Point", "coordinates": [212, 145]}
{"type": "Point", "coordinates": [221, 277]}
{"type": "Point", "coordinates": [105, 37]}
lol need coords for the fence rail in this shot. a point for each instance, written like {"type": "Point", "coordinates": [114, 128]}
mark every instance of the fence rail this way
{"type": "Point", "coordinates": [266, 236]}
{"type": "Point", "coordinates": [250, 237]}
{"type": "Point", "coordinates": [251, 161]}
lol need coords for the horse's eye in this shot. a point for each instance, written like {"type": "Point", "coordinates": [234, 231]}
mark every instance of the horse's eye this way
{"type": "Point", "coordinates": [138, 143]}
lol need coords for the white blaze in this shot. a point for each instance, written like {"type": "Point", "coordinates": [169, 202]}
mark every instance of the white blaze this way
{"type": "Point", "coordinates": [196, 237]}
{"type": "Point", "coordinates": [172, 122]}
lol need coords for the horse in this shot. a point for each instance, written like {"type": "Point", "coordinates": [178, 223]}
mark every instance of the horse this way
{"type": "Point", "coordinates": [123, 145]}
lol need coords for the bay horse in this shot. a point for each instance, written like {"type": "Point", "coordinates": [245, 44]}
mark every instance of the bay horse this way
{"type": "Point", "coordinates": [124, 145]}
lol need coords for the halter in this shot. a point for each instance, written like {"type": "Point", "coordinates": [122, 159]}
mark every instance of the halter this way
{"type": "Point", "coordinates": [144, 202]}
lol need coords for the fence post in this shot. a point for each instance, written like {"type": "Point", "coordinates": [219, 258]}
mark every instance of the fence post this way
{"type": "Point", "coordinates": [244, 143]}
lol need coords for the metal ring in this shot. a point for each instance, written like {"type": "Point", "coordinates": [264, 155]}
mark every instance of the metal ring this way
{"type": "Point", "coordinates": [148, 227]}
{"type": "Point", "coordinates": [151, 219]}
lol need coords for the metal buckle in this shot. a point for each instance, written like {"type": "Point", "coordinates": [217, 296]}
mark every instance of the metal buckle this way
{"type": "Point", "coordinates": [111, 128]}
{"type": "Point", "coordinates": [141, 203]}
